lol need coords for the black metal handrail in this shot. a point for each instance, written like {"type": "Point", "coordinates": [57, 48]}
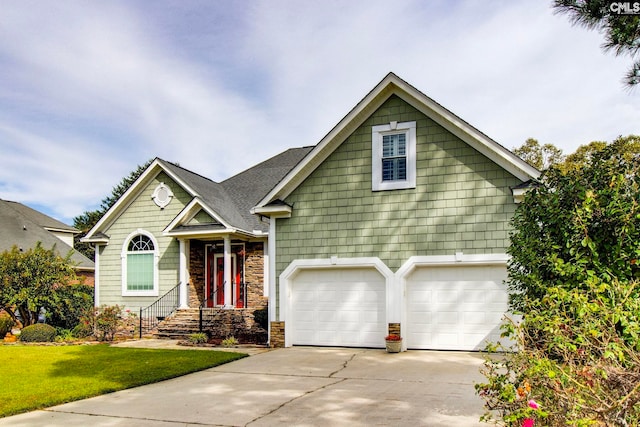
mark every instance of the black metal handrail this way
{"type": "Point", "coordinates": [163, 307]}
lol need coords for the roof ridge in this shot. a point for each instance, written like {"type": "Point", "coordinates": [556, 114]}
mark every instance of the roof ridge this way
{"type": "Point", "coordinates": [187, 170]}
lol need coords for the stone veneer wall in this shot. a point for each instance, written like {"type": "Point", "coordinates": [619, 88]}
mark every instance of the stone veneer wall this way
{"type": "Point", "coordinates": [254, 275]}
{"type": "Point", "coordinates": [196, 273]}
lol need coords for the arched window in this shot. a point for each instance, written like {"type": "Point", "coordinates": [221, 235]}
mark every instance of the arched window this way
{"type": "Point", "coordinates": [139, 265]}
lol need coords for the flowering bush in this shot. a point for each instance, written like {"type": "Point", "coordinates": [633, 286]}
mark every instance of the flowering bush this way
{"type": "Point", "coordinates": [574, 277]}
{"type": "Point", "coordinates": [393, 337]}
{"type": "Point", "coordinates": [107, 320]}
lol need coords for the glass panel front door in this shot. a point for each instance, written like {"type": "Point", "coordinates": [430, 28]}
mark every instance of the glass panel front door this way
{"type": "Point", "coordinates": [214, 286]}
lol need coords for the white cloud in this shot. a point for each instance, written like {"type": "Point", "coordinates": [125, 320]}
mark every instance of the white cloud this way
{"type": "Point", "coordinates": [218, 87]}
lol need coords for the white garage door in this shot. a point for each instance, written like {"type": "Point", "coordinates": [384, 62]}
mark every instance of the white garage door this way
{"type": "Point", "coordinates": [339, 307]}
{"type": "Point", "coordinates": [455, 308]}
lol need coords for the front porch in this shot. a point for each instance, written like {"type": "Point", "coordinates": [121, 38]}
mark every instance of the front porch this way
{"type": "Point", "coordinates": [222, 291]}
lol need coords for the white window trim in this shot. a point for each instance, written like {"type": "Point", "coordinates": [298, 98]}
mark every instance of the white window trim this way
{"type": "Point", "coordinates": [156, 256]}
{"type": "Point", "coordinates": [377, 132]}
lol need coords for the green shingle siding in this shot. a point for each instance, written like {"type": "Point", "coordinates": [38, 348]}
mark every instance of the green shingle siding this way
{"type": "Point", "coordinates": [462, 201]}
{"type": "Point", "coordinates": [144, 214]}
{"type": "Point", "coordinates": [202, 217]}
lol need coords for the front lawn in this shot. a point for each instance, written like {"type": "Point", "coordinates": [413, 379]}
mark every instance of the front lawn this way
{"type": "Point", "coordinates": [35, 377]}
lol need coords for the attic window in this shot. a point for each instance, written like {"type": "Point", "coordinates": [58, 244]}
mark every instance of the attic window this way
{"type": "Point", "coordinates": [162, 195]}
{"type": "Point", "coordinates": [393, 156]}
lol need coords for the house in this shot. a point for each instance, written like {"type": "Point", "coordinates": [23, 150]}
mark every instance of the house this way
{"type": "Point", "coordinates": [174, 232]}
{"type": "Point", "coordinates": [24, 227]}
{"type": "Point", "coordinates": [396, 221]}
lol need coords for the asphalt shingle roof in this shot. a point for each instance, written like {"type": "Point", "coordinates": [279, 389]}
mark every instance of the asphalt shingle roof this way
{"type": "Point", "coordinates": [23, 226]}
{"type": "Point", "coordinates": [233, 198]}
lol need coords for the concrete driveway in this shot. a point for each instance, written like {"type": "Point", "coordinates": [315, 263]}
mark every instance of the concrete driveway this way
{"type": "Point", "coordinates": [299, 386]}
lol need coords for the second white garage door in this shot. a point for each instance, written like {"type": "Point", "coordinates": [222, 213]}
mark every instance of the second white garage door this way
{"type": "Point", "coordinates": [455, 308]}
{"type": "Point", "coordinates": [339, 307]}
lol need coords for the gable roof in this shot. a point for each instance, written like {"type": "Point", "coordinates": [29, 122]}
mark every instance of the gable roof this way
{"type": "Point", "coordinates": [24, 227]}
{"type": "Point", "coordinates": [228, 202]}
{"type": "Point", "coordinates": [394, 85]}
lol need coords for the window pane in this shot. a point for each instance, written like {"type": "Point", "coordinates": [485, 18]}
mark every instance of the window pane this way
{"type": "Point", "coordinates": [387, 146]}
{"type": "Point", "coordinates": [140, 243]}
{"type": "Point", "coordinates": [394, 169]}
{"type": "Point", "coordinates": [387, 170]}
{"type": "Point", "coordinates": [401, 168]}
{"type": "Point", "coordinates": [140, 272]}
{"type": "Point", "coordinates": [394, 145]}
{"type": "Point", "coordinates": [402, 145]}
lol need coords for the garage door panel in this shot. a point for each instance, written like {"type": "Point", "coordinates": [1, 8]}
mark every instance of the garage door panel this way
{"type": "Point", "coordinates": [473, 296]}
{"type": "Point", "coordinates": [346, 308]}
{"type": "Point", "coordinates": [456, 307]}
{"type": "Point", "coordinates": [445, 318]}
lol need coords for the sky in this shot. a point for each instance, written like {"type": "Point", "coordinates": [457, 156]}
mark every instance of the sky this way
{"type": "Point", "coordinates": [91, 90]}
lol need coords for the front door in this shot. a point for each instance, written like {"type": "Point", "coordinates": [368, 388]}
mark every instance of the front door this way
{"type": "Point", "coordinates": [215, 281]}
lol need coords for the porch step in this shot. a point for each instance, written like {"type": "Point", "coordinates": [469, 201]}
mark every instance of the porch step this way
{"type": "Point", "coordinates": [180, 324]}
{"type": "Point", "coordinates": [216, 322]}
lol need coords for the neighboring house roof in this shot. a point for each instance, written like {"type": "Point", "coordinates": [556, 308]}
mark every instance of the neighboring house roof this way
{"type": "Point", "coordinates": [24, 227]}
{"type": "Point", "coordinates": [228, 202]}
{"type": "Point", "coordinates": [394, 85]}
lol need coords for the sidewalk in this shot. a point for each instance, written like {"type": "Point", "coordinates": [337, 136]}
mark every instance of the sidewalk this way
{"type": "Point", "coordinates": [173, 345]}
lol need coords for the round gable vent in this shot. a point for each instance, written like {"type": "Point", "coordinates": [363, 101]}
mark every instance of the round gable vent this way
{"type": "Point", "coordinates": [162, 195]}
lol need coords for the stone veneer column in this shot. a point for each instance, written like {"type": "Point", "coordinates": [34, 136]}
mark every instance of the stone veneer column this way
{"type": "Point", "coordinates": [277, 335]}
{"type": "Point", "coordinates": [394, 329]}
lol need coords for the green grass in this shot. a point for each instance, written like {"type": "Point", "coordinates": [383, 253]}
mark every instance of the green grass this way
{"type": "Point", "coordinates": [35, 377]}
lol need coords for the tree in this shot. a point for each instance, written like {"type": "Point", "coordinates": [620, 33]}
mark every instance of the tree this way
{"type": "Point", "coordinates": [628, 146]}
{"type": "Point", "coordinates": [621, 30]}
{"type": "Point", "coordinates": [577, 223]}
{"type": "Point", "coordinates": [539, 156]}
{"type": "Point", "coordinates": [574, 278]}
{"type": "Point", "coordinates": [29, 281]}
{"type": "Point", "coordinates": [88, 219]}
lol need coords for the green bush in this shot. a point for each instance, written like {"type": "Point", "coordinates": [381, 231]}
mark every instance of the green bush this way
{"type": "Point", "coordinates": [39, 332]}
{"type": "Point", "coordinates": [6, 323]}
{"type": "Point", "coordinates": [198, 338]}
{"type": "Point", "coordinates": [574, 277]}
{"type": "Point", "coordinates": [70, 303]}
{"type": "Point", "coordinates": [229, 342]}
{"type": "Point", "coordinates": [85, 326]}
{"type": "Point", "coordinates": [64, 335]}
{"type": "Point", "coordinates": [261, 317]}
{"type": "Point", "coordinates": [107, 321]}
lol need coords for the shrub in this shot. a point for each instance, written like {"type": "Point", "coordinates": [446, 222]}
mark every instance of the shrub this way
{"type": "Point", "coordinates": [40, 332]}
{"type": "Point", "coordinates": [63, 335]}
{"type": "Point", "coordinates": [574, 277]}
{"type": "Point", "coordinates": [229, 342]}
{"type": "Point", "coordinates": [261, 317]}
{"type": "Point", "coordinates": [6, 323]}
{"type": "Point", "coordinates": [107, 320]}
{"type": "Point", "coordinates": [84, 328]}
{"type": "Point", "coordinates": [198, 338]}
{"type": "Point", "coordinates": [71, 302]}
